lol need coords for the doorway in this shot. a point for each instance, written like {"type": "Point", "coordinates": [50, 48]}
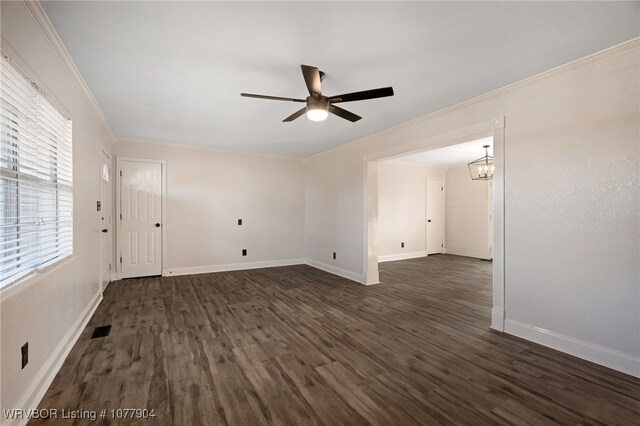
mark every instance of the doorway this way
{"type": "Point", "coordinates": [371, 246]}
{"type": "Point", "coordinates": [140, 200]}
{"type": "Point", "coordinates": [429, 203]}
{"type": "Point", "coordinates": [106, 234]}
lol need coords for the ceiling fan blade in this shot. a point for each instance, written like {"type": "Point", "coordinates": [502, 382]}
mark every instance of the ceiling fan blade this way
{"type": "Point", "coordinates": [343, 113]}
{"type": "Point", "coordinates": [273, 98]}
{"type": "Point", "coordinates": [364, 95]}
{"type": "Point", "coordinates": [312, 79]}
{"type": "Point", "coordinates": [295, 115]}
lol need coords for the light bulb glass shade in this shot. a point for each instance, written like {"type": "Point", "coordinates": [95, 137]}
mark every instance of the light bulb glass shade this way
{"type": "Point", "coordinates": [317, 114]}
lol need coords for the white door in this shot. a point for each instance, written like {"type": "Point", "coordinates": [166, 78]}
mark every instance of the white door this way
{"type": "Point", "coordinates": [105, 219]}
{"type": "Point", "coordinates": [435, 215]}
{"type": "Point", "coordinates": [141, 220]}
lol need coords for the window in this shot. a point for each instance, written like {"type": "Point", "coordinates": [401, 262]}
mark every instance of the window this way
{"type": "Point", "coordinates": [36, 224]}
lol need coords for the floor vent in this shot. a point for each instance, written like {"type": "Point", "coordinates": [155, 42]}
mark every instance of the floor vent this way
{"type": "Point", "coordinates": [102, 331]}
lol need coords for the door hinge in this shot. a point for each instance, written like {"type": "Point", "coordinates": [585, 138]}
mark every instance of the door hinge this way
{"type": "Point", "coordinates": [120, 259]}
{"type": "Point", "coordinates": [120, 173]}
{"type": "Point", "coordinates": [442, 188]}
{"type": "Point", "coordinates": [109, 266]}
{"type": "Point", "coordinates": [442, 245]}
{"type": "Point", "coordinates": [120, 216]}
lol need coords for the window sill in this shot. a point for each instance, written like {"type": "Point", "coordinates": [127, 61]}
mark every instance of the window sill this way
{"type": "Point", "coordinates": [31, 278]}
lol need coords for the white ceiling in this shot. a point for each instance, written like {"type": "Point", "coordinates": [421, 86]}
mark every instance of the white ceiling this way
{"type": "Point", "coordinates": [173, 71]}
{"type": "Point", "coordinates": [452, 155]}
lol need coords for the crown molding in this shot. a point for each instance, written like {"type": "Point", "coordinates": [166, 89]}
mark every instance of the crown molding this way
{"type": "Point", "coordinates": [117, 142]}
{"type": "Point", "coordinates": [41, 18]}
{"type": "Point", "coordinates": [633, 43]}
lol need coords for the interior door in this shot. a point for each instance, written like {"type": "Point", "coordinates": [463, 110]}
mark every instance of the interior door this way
{"type": "Point", "coordinates": [435, 215]}
{"type": "Point", "coordinates": [105, 219]}
{"type": "Point", "coordinates": [141, 220]}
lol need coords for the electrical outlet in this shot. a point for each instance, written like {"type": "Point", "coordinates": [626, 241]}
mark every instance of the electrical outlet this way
{"type": "Point", "coordinates": [402, 244]}
{"type": "Point", "coordinates": [244, 252]}
{"type": "Point", "coordinates": [239, 222]}
{"type": "Point", "coordinates": [24, 350]}
{"type": "Point", "coordinates": [334, 254]}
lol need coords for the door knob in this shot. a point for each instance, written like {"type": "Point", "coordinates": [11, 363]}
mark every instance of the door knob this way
{"type": "Point", "coordinates": [429, 220]}
{"type": "Point", "coordinates": [157, 225]}
{"type": "Point", "coordinates": [105, 230]}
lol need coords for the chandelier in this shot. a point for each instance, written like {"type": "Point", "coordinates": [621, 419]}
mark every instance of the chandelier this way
{"type": "Point", "coordinates": [482, 168]}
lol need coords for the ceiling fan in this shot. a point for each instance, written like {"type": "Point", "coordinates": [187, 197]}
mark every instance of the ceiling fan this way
{"type": "Point", "coordinates": [319, 106]}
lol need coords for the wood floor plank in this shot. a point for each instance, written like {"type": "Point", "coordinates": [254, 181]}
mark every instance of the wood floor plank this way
{"type": "Point", "coordinates": [326, 402]}
{"type": "Point", "coordinates": [298, 346]}
{"type": "Point", "coordinates": [348, 386]}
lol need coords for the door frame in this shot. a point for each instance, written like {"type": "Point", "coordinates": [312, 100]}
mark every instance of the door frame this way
{"type": "Point", "coordinates": [495, 128]}
{"type": "Point", "coordinates": [490, 197]}
{"type": "Point", "coordinates": [163, 209]}
{"type": "Point", "coordinates": [111, 185]}
{"type": "Point", "coordinates": [426, 218]}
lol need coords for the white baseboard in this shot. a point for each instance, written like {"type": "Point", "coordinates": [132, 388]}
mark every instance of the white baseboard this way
{"type": "Point", "coordinates": [191, 270]}
{"type": "Point", "coordinates": [401, 256]}
{"type": "Point", "coordinates": [43, 379]}
{"type": "Point", "coordinates": [497, 319]}
{"type": "Point", "coordinates": [615, 360]}
{"type": "Point", "coordinates": [170, 272]}
{"type": "Point", "coordinates": [353, 276]}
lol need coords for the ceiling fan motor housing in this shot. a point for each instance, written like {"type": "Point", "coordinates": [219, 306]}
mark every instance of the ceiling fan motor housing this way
{"type": "Point", "coordinates": [321, 102]}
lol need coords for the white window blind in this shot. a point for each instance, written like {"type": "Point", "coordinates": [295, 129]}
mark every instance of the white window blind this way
{"type": "Point", "coordinates": [36, 224]}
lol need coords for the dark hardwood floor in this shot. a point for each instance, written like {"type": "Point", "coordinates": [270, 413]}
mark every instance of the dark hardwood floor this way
{"type": "Point", "coordinates": [298, 346]}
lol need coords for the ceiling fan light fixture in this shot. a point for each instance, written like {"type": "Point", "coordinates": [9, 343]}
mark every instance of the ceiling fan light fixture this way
{"type": "Point", "coordinates": [317, 112]}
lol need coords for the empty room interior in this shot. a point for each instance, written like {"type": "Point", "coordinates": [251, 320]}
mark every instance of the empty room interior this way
{"type": "Point", "coordinates": [319, 213]}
